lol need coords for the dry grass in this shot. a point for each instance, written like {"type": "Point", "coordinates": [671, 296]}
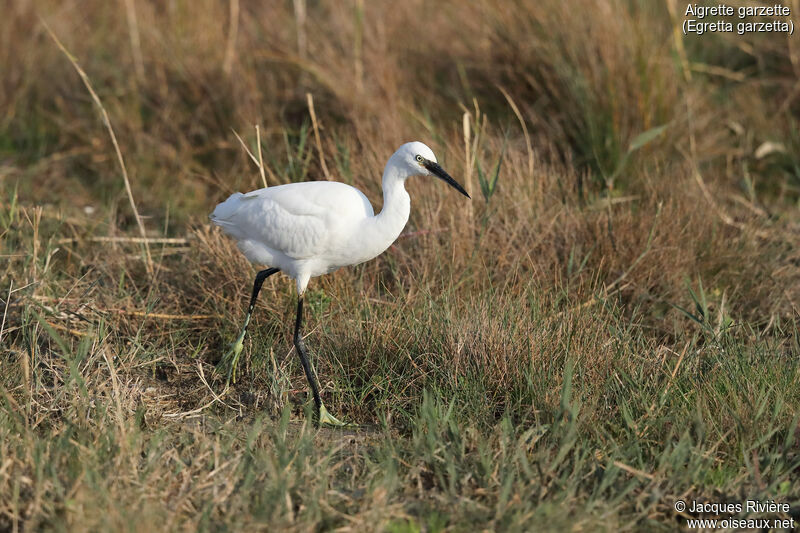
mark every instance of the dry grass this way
{"type": "Point", "coordinates": [610, 328]}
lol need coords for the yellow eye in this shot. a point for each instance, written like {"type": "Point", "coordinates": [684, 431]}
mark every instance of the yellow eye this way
{"type": "Point", "coordinates": [420, 159]}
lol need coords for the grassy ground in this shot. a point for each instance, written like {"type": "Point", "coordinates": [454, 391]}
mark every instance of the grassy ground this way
{"type": "Point", "coordinates": [608, 327]}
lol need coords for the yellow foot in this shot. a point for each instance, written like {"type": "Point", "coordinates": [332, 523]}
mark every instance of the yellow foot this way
{"type": "Point", "coordinates": [231, 358]}
{"type": "Point", "coordinates": [327, 419]}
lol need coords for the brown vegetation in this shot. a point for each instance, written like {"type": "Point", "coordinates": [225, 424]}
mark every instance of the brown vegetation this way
{"type": "Point", "coordinates": [613, 326]}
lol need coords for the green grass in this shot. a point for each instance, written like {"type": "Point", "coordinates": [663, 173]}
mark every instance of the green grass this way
{"type": "Point", "coordinates": [600, 427]}
{"type": "Point", "coordinates": [608, 327]}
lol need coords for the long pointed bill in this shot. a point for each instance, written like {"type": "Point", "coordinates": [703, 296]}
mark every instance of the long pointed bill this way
{"type": "Point", "coordinates": [439, 172]}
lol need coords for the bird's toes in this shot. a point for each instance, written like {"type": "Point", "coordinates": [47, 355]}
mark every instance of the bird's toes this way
{"type": "Point", "coordinates": [229, 361]}
{"type": "Point", "coordinates": [327, 419]}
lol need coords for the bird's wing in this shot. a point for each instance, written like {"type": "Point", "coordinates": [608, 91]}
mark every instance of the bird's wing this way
{"type": "Point", "coordinates": [299, 220]}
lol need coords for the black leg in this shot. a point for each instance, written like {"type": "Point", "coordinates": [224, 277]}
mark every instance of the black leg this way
{"type": "Point", "coordinates": [302, 352]}
{"type": "Point", "coordinates": [231, 359]}
{"type": "Point", "coordinates": [260, 277]}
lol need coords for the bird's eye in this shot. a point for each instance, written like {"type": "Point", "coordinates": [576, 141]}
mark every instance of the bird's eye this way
{"type": "Point", "coordinates": [420, 159]}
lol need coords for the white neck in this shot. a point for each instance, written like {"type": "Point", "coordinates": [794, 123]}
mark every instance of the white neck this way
{"type": "Point", "coordinates": [380, 231]}
{"type": "Point", "coordinates": [396, 202]}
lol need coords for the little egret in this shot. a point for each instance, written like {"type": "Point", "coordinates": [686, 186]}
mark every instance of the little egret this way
{"type": "Point", "coordinates": [312, 228]}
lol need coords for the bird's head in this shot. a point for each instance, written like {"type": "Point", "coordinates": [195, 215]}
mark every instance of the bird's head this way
{"type": "Point", "coordinates": [418, 160]}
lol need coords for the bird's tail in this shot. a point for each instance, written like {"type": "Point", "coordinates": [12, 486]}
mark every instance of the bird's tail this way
{"type": "Point", "coordinates": [226, 209]}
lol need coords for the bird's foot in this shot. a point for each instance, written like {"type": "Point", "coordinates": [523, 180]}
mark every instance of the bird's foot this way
{"type": "Point", "coordinates": [327, 419]}
{"type": "Point", "coordinates": [231, 358]}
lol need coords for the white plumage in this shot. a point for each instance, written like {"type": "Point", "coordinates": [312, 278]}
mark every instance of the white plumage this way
{"type": "Point", "coordinates": [304, 229]}
{"type": "Point", "coordinates": [312, 228]}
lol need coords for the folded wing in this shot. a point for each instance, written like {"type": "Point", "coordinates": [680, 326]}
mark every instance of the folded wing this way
{"type": "Point", "coordinates": [298, 220]}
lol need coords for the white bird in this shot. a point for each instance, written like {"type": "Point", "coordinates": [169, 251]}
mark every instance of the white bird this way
{"type": "Point", "coordinates": [312, 228]}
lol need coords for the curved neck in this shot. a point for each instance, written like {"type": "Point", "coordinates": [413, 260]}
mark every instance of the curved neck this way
{"type": "Point", "coordinates": [396, 202]}
{"type": "Point", "coordinates": [378, 232]}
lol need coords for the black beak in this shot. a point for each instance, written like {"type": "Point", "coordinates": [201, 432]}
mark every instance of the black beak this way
{"type": "Point", "coordinates": [439, 172]}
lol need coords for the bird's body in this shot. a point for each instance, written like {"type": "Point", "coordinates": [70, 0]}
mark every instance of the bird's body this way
{"type": "Point", "coordinates": [309, 229]}
{"type": "Point", "coordinates": [312, 228]}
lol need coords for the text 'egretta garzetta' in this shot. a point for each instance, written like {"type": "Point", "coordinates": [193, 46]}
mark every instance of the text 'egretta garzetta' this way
{"type": "Point", "coordinates": [312, 228]}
